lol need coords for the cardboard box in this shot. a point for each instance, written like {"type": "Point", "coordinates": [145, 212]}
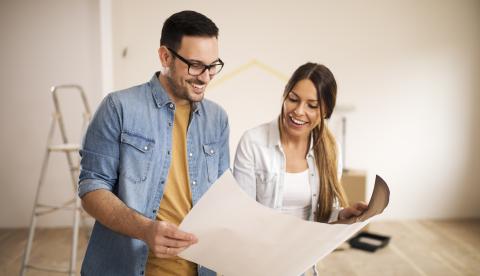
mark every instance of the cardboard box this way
{"type": "Point", "coordinates": [355, 185]}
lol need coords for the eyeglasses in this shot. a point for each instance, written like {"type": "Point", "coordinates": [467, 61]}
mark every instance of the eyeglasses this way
{"type": "Point", "coordinates": [197, 68]}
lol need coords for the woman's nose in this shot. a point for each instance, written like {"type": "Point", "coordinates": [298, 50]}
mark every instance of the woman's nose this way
{"type": "Point", "coordinates": [298, 110]}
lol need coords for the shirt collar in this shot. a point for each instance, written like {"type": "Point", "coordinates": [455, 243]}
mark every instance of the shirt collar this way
{"type": "Point", "coordinates": [161, 97]}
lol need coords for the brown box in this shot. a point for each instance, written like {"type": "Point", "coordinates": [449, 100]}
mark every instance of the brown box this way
{"type": "Point", "coordinates": [355, 185]}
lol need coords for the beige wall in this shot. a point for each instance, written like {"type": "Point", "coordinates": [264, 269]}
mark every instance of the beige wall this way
{"type": "Point", "coordinates": [408, 68]}
{"type": "Point", "coordinates": [44, 43]}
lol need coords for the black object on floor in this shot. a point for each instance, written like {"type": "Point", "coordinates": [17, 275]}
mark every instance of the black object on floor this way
{"type": "Point", "coordinates": [368, 241]}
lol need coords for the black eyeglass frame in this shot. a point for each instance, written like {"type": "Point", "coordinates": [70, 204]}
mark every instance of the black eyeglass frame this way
{"type": "Point", "coordinates": [205, 67]}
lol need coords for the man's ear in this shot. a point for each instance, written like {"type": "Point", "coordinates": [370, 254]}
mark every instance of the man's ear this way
{"type": "Point", "coordinates": [164, 56]}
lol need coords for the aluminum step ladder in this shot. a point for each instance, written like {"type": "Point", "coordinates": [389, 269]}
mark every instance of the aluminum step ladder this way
{"type": "Point", "coordinates": [73, 204]}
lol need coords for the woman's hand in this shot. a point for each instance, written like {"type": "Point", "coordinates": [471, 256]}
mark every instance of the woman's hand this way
{"type": "Point", "coordinates": [354, 210]}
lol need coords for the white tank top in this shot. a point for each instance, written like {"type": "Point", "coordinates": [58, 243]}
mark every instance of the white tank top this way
{"type": "Point", "coordinates": [297, 195]}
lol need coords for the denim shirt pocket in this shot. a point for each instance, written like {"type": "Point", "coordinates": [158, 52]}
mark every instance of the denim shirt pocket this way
{"type": "Point", "coordinates": [136, 156]}
{"type": "Point", "coordinates": [211, 157]}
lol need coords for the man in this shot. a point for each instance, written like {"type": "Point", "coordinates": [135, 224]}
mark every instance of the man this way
{"type": "Point", "coordinates": [150, 153]}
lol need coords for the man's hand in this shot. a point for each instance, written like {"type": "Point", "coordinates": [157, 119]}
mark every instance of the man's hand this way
{"type": "Point", "coordinates": [352, 211]}
{"type": "Point", "coordinates": [165, 240]}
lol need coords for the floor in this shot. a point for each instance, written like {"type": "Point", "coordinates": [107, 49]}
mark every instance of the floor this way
{"type": "Point", "coordinates": [416, 248]}
{"type": "Point", "coordinates": [425, 247]}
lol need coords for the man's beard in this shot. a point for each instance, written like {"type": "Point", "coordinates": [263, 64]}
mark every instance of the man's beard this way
{"type": "Point", "coordinates": [180, 91]}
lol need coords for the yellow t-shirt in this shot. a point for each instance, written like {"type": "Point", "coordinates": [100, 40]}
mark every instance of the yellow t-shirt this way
{"type": "Point", "coordinates": [177, 197]}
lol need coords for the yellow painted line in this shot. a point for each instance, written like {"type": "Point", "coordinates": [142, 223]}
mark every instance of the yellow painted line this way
{"type": "Point", "coordinates": [271, 70]}
{"type": "Point", "coordinates": [245, 67]}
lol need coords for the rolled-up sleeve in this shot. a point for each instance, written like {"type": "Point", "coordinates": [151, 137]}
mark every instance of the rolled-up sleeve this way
{"type": "Point", "coordinates": [100, 150]}
{"type": "Point", "coordinates": [336, 208]}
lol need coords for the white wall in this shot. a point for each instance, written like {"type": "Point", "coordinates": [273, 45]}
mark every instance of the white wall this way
{"type": "Point", "coordinates": [44, 43]}
{"type": "Point", "coordinates": [408, 67]}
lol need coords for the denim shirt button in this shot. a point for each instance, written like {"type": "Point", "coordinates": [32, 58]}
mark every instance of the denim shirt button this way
{"type": "Point", "coordinates": [143, 178]}
{"type": "Point", "coordinates": [168, 152]}
{"type": "Point", "coordinates": [194, 182]}
{"type": "Point", "coordinates": [212, 151]}
{"type": "Point", "coordinates": [163, 181]}
{"type": "Point", "coordinates": [190, 154]}
{"type": "Point", "coordinates": [170, 124]}
{"type": "Point", "coordinates": [171, 105]}
{"type": "Point", "coordinates": [145, 148]}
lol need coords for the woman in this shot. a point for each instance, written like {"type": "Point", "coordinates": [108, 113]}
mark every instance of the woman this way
{"type": "Point", "coordinates": [292, 164]}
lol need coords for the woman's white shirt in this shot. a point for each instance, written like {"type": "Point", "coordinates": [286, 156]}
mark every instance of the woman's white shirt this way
{"type": "Point", "coordinates": [296, 201]}
{"type": "Point", "coordinates": [259, 168]}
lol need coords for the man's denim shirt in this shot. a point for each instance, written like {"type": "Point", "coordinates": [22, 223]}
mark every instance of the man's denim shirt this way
{"type": "Point", "coordinates": [127, 150]}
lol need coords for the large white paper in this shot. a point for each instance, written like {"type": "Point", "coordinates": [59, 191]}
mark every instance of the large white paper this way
{"type": "Point", "coordinates": [238, 236]}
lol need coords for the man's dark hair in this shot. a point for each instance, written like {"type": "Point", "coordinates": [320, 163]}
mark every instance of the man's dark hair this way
{"type": "Point", "coordinates": [186, 23]}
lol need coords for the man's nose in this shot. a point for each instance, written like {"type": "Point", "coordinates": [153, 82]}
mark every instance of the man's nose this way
{"type": "Point", "coordinates": [205, 76]}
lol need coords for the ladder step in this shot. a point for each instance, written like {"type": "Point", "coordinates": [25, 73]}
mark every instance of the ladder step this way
{"type": "Point", "coordinates": [47, 208]}
{"type": "Point", "coordinates": [73, 165]}
{"type": "Point", "coordinates": [64, 147]}
{"type": "Point", "coordinates": [43, 268]}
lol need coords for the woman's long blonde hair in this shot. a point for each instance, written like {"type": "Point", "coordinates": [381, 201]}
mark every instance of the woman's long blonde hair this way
{"type": "Point", "coordinates": [324, 145]}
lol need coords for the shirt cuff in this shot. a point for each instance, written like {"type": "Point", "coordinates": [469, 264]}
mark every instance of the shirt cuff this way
{"type": "Point", "coordinates": [88, 185]}
{"type": "Point", "coordinates": [334, 214]}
